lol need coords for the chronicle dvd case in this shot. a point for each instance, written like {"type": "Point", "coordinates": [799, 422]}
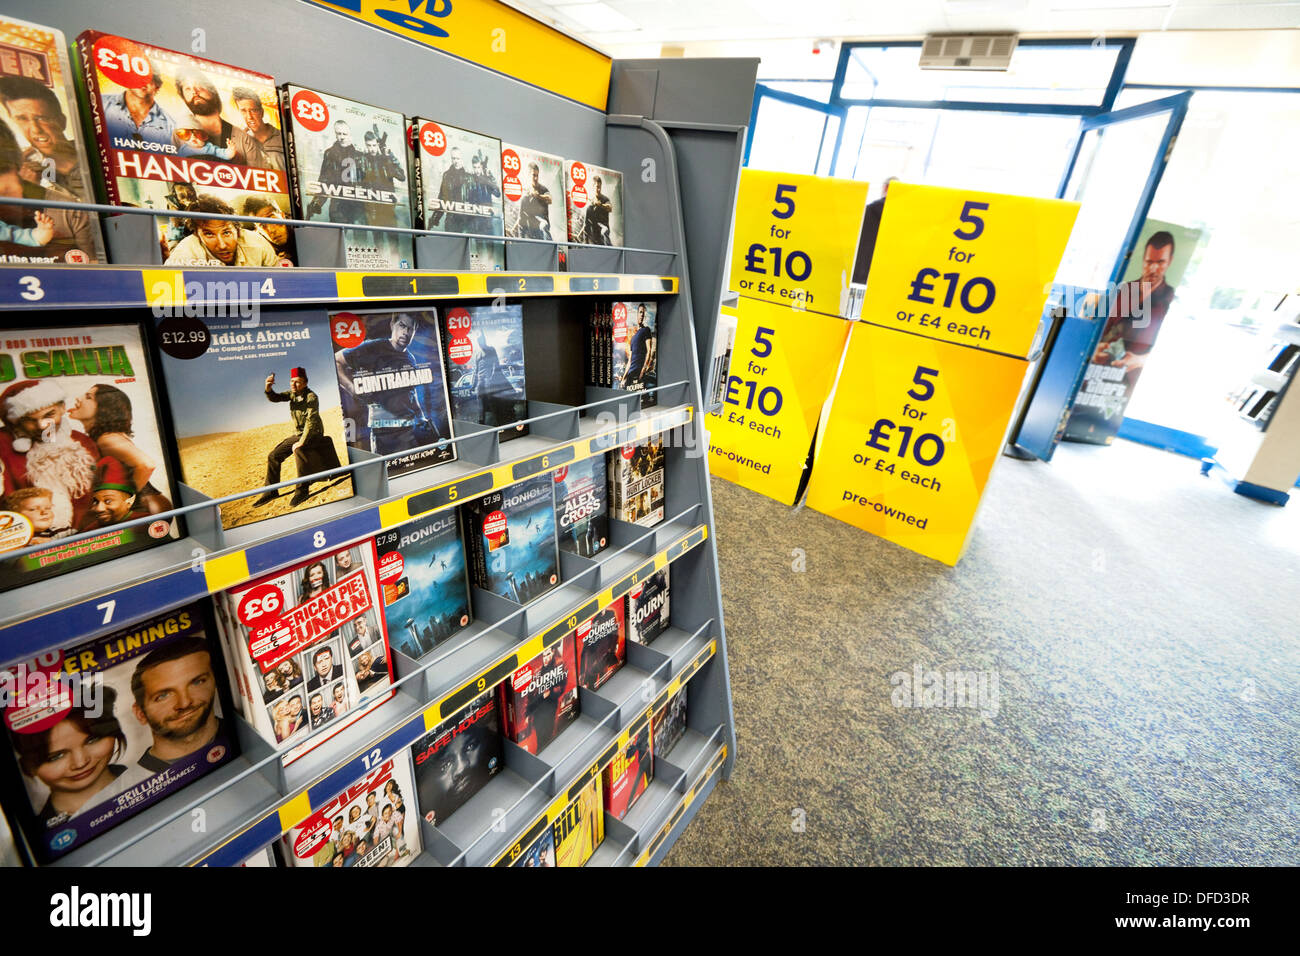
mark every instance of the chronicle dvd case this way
{"type": "Point", "coordinates": [602, 648]}
{"type": "Point", "coordinates": [393, 385]}
{"type": "Point", "coordinates": [594, 199]}
{"type": "Point", "coordinates": [177, 131]}
{"type": "Point", "coordinates": [533, 185]}
{"type": "Point", "coordinates": [347, 164]}
{"type": "Point", "coordinates": [629, 773]}
{"type": "Point", "coordinates": [635, 349]}
{"type": "Point", "coordinates": [580, 829]}
{"type": "Point", "coordinates": [457, 758]}
{"type": "Point", "coordinates": [636, 482]}
{"type": "Point", "coordinates": [81, 448]}
{"type": "Point", "coordinates": [582, 506]}
{"type": "Point", "coordinates": [486, 378]}
{"type": "Point", "coordinates": [458, 174]}
{"type": "Point", "coordinates": [108, 727]}
{"type": "Point", "coordinates": [540, 699]}
{"type": "Point", "coordinates": [247, 400]}
{"type": "Point", "coordinates": [42, 154]}
{"type": "Point", "coordinates": [648, 608]}
{"type": "Point", "coordinates": [512, 542]}
{"type": "Point", "coordinates": [669, 724]}
{"type": "Point", "coordinates": [309, 648]}
{"type": "Point", "coordinates": [368, 824]}
{"type": "Point", "coordinates": [422, 575]}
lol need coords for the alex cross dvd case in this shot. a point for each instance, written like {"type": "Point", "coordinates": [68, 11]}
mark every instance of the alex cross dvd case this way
{"type": "Point", "coordinates": [602, 648]}
{"type": "Point", "coordinates": [540, 699]}
{"type": "Point", "coordinates": [512, 541]}
{"type": "Point", "coordinates": [582, 506]}
{"type": "Point", "coordinates": [648, 608]}
{"type": "Point", "coordinates": [486, 377]}
{"type": "Point", "coordinates": [424, 581]}
{"type": "Point", "coordinates": [456, 759]}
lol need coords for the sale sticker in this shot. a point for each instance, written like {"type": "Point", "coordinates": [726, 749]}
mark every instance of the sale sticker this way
{"type": "Point", "coordinates": [782, 369]}
{"type": "Point", "coordinates": [964, 266]}
{"type": "Point", "coordinates": [911, 434]}
{"type": "Point", "coordinates": [795, 239]}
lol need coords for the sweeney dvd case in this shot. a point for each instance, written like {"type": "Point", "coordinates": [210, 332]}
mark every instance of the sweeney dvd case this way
{"type": "Point", "coordinates": [309, 648]}
{"type": "Point", "coordinates": [512, 543]}
{"type": "Point", "coordinates": [602, 648]}
{"type": "Point", "coordinates": [533, 186]}
{"type": "Point", "coordinates": [347, 164]}
{"type": "Point", "coordinates": [636, 482]}
{"type": "Point", "coordinates": [669, 724]}
{"type": "Point", "coordinates": [108, 727]}
{"type": "Point", "coordinates": [42, 154]}
{"type": "Point", "coordinates": [648, 608]}
{"type": "Point", "coordinates": [635, 349]}
{"type": "Point", "coordinates": [582, 506]}
{"type": "Point", "coordinates": [580, 829]}
{"type": "Point", "coordinates": [629, 774]}
{"type": "Point", "coordinates": [540, 699]}
{"type": "Point", "coordinates": [368, 824]}
{"type": "Point", "coordinates": [177, 131]}
{"type": "Point", "coordinates": [246, 401]}
{"type": "Point", "coordinates": [457, 758]}
{"type": "Point", "coordinates": [459, 187]}
{"type": "Point", "coordinates": [486, 378]}
{"type": "Point", "coordinates": [594, 199]}
{"type": "Point", "coordinates": [82, 448]}
{"type": "Point", "coordinates": [393, 386]}
{"type": "Point", "coordinates": [422, 575]}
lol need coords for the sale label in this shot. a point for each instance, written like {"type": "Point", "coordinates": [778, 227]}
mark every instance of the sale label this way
{"type": "Point", "coordinates": [782, 369]}
{"type": "Point", "coordinates": [795, 239]}
{"type": "Point", "coordinates": [967, 267]}
{"type": "Point", "coordinates": [913, 429]}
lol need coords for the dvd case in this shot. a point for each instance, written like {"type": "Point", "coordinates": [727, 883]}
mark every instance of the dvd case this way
{"type": "Point", "coordinates": [457, 758]}
{"type": "Point", "coordinates": [582, 506]}
{"type": "Point", "coordinates": [669, 724]}
{"type": "Point", "coordinates": [648, 608]}
{"type": "Point", "coordinates": [42, 154]}
{"type": "Point", "coordinates": [629, 774]}
{"type": "Point", "coordinates": [393, 385]}
{"type": "Point", "coordinates": [724, 341]}
{"type": "Point", "coordinates": [512, 543]}
{"type": "Point", "coordinates": [176, 131]}
{"type": "Point", "coordinates": [236, 425]}
{"type": "Point", "coordinates": [594, 198]}
{"type": "Point", "coordinates": [580, 829]}
{"type": "Point", "coordinates": [347, 164]}
{"type": "Point", "coordinates": [422, 575]}
{"type": "Point", "coordinates": [635, 349]}
{"type": "Point", "coordinates": [108, 727]}
{"type": "Point", "coordinates": [486, 377]}
{"type": "Point", "coordinates": [459, 187]}
{"type": "Point", "coordinates": [540, 699]}
{"type": "Point", "coordinates": [309, 648]}
{"type": "Point", "coordinates": [82, 448]}
{"type": "Point", "coordinates": [541, 852]}
{"type": "Point", "coordinates": [368, 824]}
{"type": "Point", "coordinates": [533, 185]}
{"type": "Point", "coordinates": [602, 648]}
{"type": "Point", "coordinates": [636, 482]}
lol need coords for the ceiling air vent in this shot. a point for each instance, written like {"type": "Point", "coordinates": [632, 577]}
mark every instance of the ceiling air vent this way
{"type": "Point", "coordinates": [968, 51]}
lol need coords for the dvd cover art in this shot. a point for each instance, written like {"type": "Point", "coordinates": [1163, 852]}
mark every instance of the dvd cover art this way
{"type": "Point", "coordinates": [81, 448]}
{"type": "Point", "coordinates": [368, 824]}
{"type": "Point", "coordinates": [648, 608]}
{"type": "Point", "coordinates": [42, 154]}
{"type": "Point", "coordinates": [347, 164]}
{"type": "Point", "coordinates": [176, 131]}
{"type": "Point", "coordinates": [636, 482]}
{"type": "Point", "coordinates": [533, 184]}
{"type": "Point", "coordinates": [541, 698]}
{"type": "Point", "coordinates": [580, 829]}
{"type": "Point", "coordinates": [247, 401]}
{"type": "Point", "coordinates": [724, 341]}
{"type": "Point", "coordinates": [602, 647]}
{"type": "Point", "coordinates": [460, 179]}
{"type": "Point", "coordinates": [594, 198]}
{"type": "Point", "coordinates": [103, 729]}
{"type": "Point", "coordinates": [423, 577]}
{"type": "Point", "coordinates": [457, 758]}
{"type": "Point", "coordinates": [309, 647]}
{"type": "Point", "coordinates": [512, 542]}
{"type": "Point", "coordinates": [669, 724]}
{"type": "Point", "coordinates": [393, 385]}
{"type": "Point", "coordinates": [541, 852]}
{"type": "Point", "coordinates": [629, 774]}
{"type": "Point", "coordinates": [485, 366]}
{"type": "Point", "coordinates": [635, 349]}
{"type": "Point", "coordinates": [582, 506]}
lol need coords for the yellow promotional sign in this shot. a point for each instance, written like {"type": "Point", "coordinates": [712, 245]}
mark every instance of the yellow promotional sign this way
{"type": "Point", "coordinates": [493, 35]}
{"type": "Point", "coordinates": [965, 266]}
{"type": "Point", "coordinates": [912, 432]}
{"type": "Point", "coordinates": [782, 369]}
{"type": "Point", "coordinates": [795, 239]}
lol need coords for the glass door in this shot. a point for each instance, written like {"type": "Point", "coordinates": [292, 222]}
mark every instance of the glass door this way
{"type": "Point", "coordinates": [792, 134]}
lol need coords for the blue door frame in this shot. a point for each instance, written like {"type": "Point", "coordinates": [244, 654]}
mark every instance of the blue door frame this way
{"type": "Point", "coordinates": [840, 112]}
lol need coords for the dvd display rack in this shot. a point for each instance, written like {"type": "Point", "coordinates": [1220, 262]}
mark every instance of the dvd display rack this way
{"type": "Point", "coordinates": [235, 811]}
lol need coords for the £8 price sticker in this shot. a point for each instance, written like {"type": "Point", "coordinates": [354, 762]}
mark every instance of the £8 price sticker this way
{"type": "Point", "coordinates": [432, 139]}
{"type": "Point", "coordinates": [310, 111]}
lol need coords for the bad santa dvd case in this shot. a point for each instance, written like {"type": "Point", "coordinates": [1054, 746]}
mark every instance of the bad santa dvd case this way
{"type": "Point", "coordinates": [393, 385]}
{"type": "Point", "coordinates": [459, 177]}
{"type": "Point", "coordinates": [648, 608]}
{"type": "Point", "coordinates": [635, 349]}
{"type": "Point", "coordinates": [582, 506]}
{"type": "Point", "coordinates": [81, 448]}
{"type": "Point", "coordinates": [103, 729]}
{"type": "Point", "coordinates": [602, 647]}
{"type": "Point", "coordinates": [512, 542]}
{"type": "Point", "coordinates": [669, 724]}
{"type": "Point", "coordinates": [484, 347]}
{"type": "Point", "coordinates": [246, 401]}
{"type": "Point", "coordinates": [42, 154]}
{"type": "Point", "coordinates": [309, 648]}
{"type": "Point", "coordinates": [347, 164]}
{"type": "Point", "coordinates": [580, 829]}
{"type": "Point", "coordinates": [368, 824]}
{"type": "Point", "coordinates": [533, 187]}
{"type": "Point", "coordinates": [457, 758]}
{"type": "Point", "coordinates": [594, 198]}
{"type": "Point", "coordinates": [177, 131]}
{"type": "Point", "coordinates": [629, 774]}
{"type": "Point", "coordinates": [636, 482]}
{"type": "Point", "coordinates": [423, 578]}
{"type": "Point", "coordinates": [540, 699]}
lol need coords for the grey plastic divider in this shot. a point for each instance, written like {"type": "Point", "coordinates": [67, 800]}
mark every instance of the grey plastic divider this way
{"type": "Point", "coordinates": [316, 247]}
{"type": "Point", "coordinates": [532, 257]}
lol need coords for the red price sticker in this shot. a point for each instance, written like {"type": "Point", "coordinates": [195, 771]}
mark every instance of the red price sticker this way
{"type": "Point", "coordinates": [310, 111]}
{"type": "Point", "coordinates": [123, 62]}
{"type": "Point", "coordinates": [510, 167]}
{"type": "Point", "coordinates": [460, 348]}
{"type": "Point", "coordinates": [620, 322]}
{"type": "Point", "coordinates": [312, 838]}
{"type": "Point", "coordinates": [523, 677]}
{"type": "Point", "coordinates": [432, 139]}
{"type": "Point", "coordinates": [494, 529]}
{"type": "Point", "coordinates": [578, 191]}
{"type": "Point", "coordinates": [561, 473]}
{"type": "Point", "coordinates": [40, 695]}
{"type": "Point", "coordinates": [628, 452]}
{"type": "Point", "coordinates": [260, 605]}
{"type": "Point", "coordinates": [347, 330]}
{"type": "Point", "coordinates": [391, 566]}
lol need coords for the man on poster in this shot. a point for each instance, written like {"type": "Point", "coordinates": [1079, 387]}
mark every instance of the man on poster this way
{"type": "Point", "coordinates": [309, 432]}
{"type": "Point", "coordinates": [1139, 308]}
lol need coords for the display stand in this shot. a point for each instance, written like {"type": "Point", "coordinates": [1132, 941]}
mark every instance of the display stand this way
{"type": "Point", "coordinates": [249, 803]}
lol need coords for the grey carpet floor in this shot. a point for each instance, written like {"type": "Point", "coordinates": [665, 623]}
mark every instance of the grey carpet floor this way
{"type": "Point", "coordinates": [1142, 624]}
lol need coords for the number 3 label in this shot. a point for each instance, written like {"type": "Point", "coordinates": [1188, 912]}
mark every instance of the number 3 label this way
{"type": "Point", "coordinates": [32, 290]}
